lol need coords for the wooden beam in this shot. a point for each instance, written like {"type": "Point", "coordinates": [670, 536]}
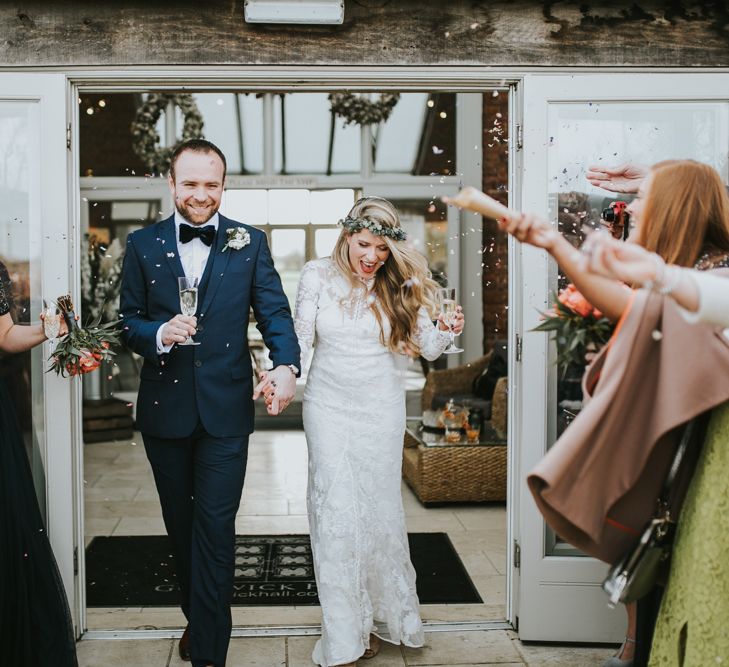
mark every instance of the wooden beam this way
{"type": "Point", "coordinates": [499, 33]}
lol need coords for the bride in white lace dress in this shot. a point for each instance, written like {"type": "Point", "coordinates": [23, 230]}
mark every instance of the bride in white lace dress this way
{"type": "Point", "coordinates": [360, 310]}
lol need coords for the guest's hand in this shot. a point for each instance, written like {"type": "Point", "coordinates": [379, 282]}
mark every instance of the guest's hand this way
{"type": "Point", "coordinates": [531, 229]}
{"type": "Point", "coordinates": [62, 329]}
{"type": "Point", "coordinates": [625, 178]}
{"type": "Point", "coordinates": [627, 262]}
{"type": "Point", "coordinates": [179, 329]}
{"type": "Point", "coordinates": [457, 322]}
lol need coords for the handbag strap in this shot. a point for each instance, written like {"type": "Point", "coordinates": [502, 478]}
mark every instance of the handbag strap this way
{"type": "Point", "coordinates": [663, 505]}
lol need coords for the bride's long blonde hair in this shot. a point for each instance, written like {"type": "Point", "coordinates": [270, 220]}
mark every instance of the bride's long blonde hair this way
{"type": "Point", "coordinates": [402, 285]}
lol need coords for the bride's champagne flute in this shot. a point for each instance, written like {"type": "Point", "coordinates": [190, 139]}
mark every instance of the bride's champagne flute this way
{"type": "Point", "coordinates": [448, 305]}
{"type": "Point", "coordinates": [188, 301]}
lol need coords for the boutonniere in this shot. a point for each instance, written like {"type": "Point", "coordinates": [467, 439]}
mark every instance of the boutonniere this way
{"type": "Point", "coordinates": [237, 238]}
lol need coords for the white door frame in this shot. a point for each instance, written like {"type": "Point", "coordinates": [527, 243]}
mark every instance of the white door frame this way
{"type": "Point", "coordinates": [474, 80]}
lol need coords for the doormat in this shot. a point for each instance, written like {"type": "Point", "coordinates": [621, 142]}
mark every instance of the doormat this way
{"type": "Point", "coordinates": [138, 571]}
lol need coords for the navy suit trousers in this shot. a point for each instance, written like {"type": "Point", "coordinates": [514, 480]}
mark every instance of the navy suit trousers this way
{"type": "Point", "coordinates": [200, 480]}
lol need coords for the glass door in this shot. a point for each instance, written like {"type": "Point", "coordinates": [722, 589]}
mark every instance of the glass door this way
{"type": "Point", "coordinates": [35, 247]}
{"type": "Point", "coordinates": [571, 122]}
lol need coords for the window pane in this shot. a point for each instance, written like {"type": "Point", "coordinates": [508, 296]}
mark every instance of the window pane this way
{"type": "Point", "coordinates": [221, 125]}
{"type": "Point", "coordinates": [307, 121]}
{"type": "Point", "coordinates": [419, 137]}
{"type": "Point", "coordinates": [288, 248]}
{"type": "Point", "coordinates": [308, 141]}
{"type": "Point", "coordinates": [248, 206]}
{"type": "Point", "coordinates": [611, 133]}
{"type": "Point", "coordinates": [289, 207]}
{"type": "Point", "coordinates": [324, 241]}
{"type": "Point", "coordinates": [330, 206]}
{"type": "Point", "coordinates": [251, 120]}
{"type": "Point", "coordinates": [399, 138]}
{"type": "Point", "coordinates": [347, 148]}
{"type": "Point", "coordinates": [20, 234]}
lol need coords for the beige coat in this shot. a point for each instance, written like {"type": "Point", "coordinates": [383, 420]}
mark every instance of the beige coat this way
{"type": "Point", "coordinates": [597, 485]}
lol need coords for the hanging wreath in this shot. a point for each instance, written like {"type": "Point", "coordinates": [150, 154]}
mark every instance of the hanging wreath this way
{"type": "Point", "coordinates": [145, 139]}
{"type": "Point", "coordinates": [355, 109]}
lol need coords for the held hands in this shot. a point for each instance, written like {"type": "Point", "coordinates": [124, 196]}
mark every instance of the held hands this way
{"type": "Point", "coordinates": [178, 329]}
{"type": "Point", "coordinates": [625, 178]}
{"type": "Point", "coordinates": [456, 321]}
{"type": "Point", "coordinates": [278, 387]}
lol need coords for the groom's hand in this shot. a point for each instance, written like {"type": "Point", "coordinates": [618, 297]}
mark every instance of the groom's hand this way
{"type": "Point", "coordinates": [178, 329]}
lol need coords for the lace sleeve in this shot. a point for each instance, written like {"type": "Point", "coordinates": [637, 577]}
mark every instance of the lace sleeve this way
{"type": "Point", "coordinates": [307, 304]}
{"type": "Point", "coordinates": [4, 290]}
{"type": "Point", "coordinates": [429, 338]}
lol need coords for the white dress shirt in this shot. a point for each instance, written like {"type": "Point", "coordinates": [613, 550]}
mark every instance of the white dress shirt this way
{"type": "Point", "coordinates": [193, 256]}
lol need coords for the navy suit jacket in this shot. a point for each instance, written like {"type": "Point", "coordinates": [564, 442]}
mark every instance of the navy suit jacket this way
{"type": "Point", "coordinates": [212, 382]}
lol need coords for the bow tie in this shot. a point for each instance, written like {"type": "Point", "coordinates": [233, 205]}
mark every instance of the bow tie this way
{"type": "Point", "coordinates": [205, 234]}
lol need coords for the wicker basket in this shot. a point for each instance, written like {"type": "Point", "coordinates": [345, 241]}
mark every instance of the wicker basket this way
{"type": "Point", "coordinates": [474, 473]}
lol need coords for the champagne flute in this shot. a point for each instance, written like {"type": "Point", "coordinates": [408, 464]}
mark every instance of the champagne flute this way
{"type": "Point", "coordinates": [51, 321]}
{"type": "Point", "coordinates": [188, 301]}
{"type": "Point", "coordinates": [448, 303]}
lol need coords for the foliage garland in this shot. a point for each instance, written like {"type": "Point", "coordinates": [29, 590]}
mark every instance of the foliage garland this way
{"type": "Point", "coordinates": [356, 109]}
{"type": "Point", "coordinates": [145, 139]}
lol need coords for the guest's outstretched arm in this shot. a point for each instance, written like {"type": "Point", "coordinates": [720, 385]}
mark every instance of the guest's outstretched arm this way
{"type": "Point", "coordinates": [607, 294]}
{"type": "Point", "coordinates": [705, 294]}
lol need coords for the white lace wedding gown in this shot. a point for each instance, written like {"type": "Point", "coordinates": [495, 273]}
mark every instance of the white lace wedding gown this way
{"type": "Point", "coordinates": [354, 419]}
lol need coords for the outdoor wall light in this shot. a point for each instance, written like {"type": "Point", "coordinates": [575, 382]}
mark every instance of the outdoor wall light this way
{"type": "Point", "coordinates": [294, 11]}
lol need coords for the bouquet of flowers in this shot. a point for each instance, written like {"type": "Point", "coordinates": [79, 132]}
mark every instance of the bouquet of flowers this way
{"type": "Point", "coordinates": [82, 350]}
{"type": "Point", "coordinates": [579, 327]}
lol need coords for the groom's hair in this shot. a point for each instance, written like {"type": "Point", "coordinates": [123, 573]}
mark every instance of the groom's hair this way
{"type": "Point", "coordinates": [196, 146]}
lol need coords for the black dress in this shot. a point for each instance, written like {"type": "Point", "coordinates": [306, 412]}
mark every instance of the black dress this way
{"type": "Point", "coordinates": [35, 623]}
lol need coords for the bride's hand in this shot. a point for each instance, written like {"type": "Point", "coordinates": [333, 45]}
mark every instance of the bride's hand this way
{"type": "Point", "coordinates": [264, 387]}
{"type": "Point", "coordinates": [457, 323]}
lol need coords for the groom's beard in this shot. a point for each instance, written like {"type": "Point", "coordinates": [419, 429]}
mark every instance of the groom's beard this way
{"type": "Point", "coordinates": [193, 217]}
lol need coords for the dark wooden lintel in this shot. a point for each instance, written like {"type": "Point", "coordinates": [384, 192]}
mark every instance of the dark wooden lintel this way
{"type": "Point", "coordinates": [499, 33]}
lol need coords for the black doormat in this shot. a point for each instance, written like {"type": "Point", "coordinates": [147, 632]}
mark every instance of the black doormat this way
{"type": "Point", "coordinates": [269, 570]}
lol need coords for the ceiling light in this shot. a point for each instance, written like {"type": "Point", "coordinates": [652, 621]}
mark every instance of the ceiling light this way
{"type": "Point", "coordinates": [295, 11]}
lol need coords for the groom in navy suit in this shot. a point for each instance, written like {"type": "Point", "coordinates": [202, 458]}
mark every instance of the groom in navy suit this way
{"type": "Point", "coordinates": [195, 404]}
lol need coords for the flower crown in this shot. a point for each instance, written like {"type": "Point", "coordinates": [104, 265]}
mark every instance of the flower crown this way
{"type": "Point", "coordinates": [354, 225]}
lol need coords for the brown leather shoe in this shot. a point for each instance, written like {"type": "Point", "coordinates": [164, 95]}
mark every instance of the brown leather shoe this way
{"type": "Point", "coordinates": [184, 646]}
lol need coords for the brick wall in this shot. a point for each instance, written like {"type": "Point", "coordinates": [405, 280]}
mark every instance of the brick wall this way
{"type": "Point", "coordinates": [495, 293]}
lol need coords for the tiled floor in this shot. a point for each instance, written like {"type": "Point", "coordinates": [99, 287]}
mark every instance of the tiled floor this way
{"type": "Point", "coordinates": [121, 500]}
{"type": "Point", "coordinates": [452, 649]}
